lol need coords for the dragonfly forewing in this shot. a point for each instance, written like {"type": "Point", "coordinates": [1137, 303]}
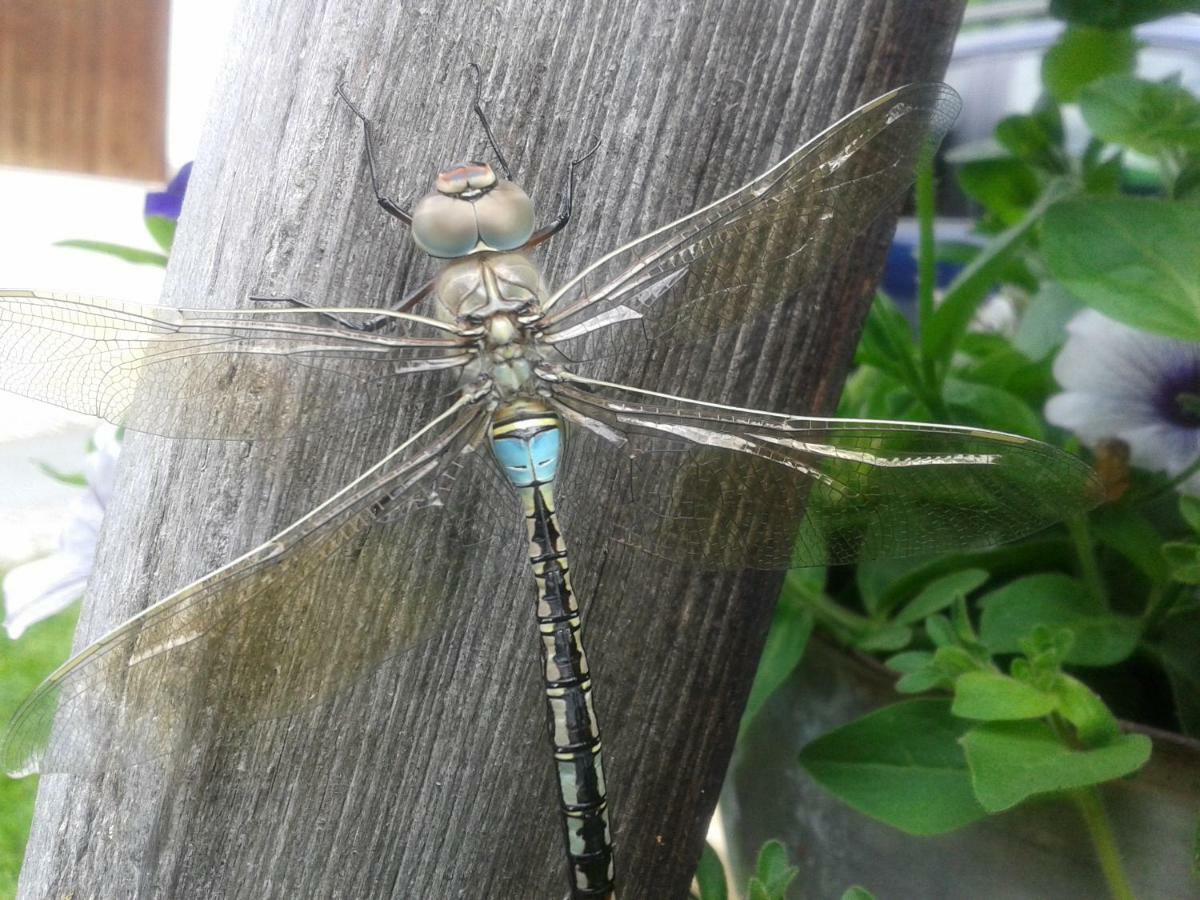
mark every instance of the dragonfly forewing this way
{"type": "Point", "coordinates": [265, 635]}
{"type": "Point", "coordinates": [726, 488]}
{"type": "Point", "coordinates": [175, 372]}
{"type": "Point", "coordinates": [728, 262]}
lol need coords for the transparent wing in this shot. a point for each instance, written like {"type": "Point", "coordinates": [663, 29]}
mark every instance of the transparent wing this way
{"type": "Point", "coordinates": [753, 248]}
{"type": "Point", "coordinates": [727, 488]}
{"type": "Point", "coordinates": [167, 371]}
{"type": "Point", "coordinates": [256, 639]}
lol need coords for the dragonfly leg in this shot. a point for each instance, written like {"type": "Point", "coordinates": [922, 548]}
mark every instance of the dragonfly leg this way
{"type": "Point", "coordinates": [391, 207]}
{"type": "Point", "coordinates": [304, 304]}
{"type": "Point", "coordinates": [366, 325]}
{"type": "Point", "coordinates": [477, 105]}
{"type": "Point", "coordinates": [557, 224]}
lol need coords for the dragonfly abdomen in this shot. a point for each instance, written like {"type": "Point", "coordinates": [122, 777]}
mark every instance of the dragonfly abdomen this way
{"type": "Point", "coordinates": [527, 441]}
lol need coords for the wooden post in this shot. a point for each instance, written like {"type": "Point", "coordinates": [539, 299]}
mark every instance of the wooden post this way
{"type": "Point", "coordinates": [432, 779]}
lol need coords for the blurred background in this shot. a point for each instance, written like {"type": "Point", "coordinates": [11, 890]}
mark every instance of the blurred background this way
{"type": "Point", "coordinates": [94, 115]}
{"type": "Point", "coordinates": [101, 106]}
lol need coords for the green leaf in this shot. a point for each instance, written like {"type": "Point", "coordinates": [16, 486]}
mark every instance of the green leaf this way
{"type": "Point", "coordinates": [857, 893]}
{"type": "Point", "coordinates": [991, 407]}
{"type": "Point", "coordinates": [940, 631]}
{"type": "Point", "coordinates": [1187, 182]}
{"type": "Point", "coordinates": [120, 251]}
{"type": "Point", "coordinates": [1035, 138]}
{"type": "Point", "coordinates": [1005, 186]}
{"type": "Point", "coordinates": [1082, 707]}
{"type": "Point", "coordinates": [1118, 13]}
{"type": "Point", "coordinates": [874, 579]}
{"type": "Point", "coordinates": [919, 682]}
{"type": "Point", "coordinates": [1126, 529]}
{"type": "Point", "coordinates": [901, 765]}
{"type": "Point", "coordinates": [1103, 170]}
{"type": "Point", "coordinates": [973, 284]}
{"type": "Point", "coordinates": [992, 359]}
{"type": "Point", "coordinates": [940, 593]}
{"type": "Point", "coordinates": [889, 637]}
{"type": "Point", "coordinates": [1175, 650]}
{"type": "Point", "coordinates": [1183, 561]}
{"type": "Point", "coordinates": [990, 696]}
{"type": "Point", "coordinates": [918, 672]}
{"type": "Point", "coordinates": [1133, 259]}
{"type": "Point", "coordinates": [772, 872]}
{"type": "Point", "coordinates": [710, 876]}
{"type": "Point", "coordinates": [790, 629]}
{"type": "Point", "coordinates": [953, 661]}
{"type": "Point", "coordinates": [1055, 601]}
{"type": "Point", "coordinates": [1084, 54]}
{"type": "Point", "coordinates": [162, 230]}
{"type": "Point", "coordinates": [1150, 117]}
{"type": "Point", "coordinates": [73, 479]}
{"type": "Point", "coordinates": [1012, 761]}
{"type": "Point", "coordinates": [909, 661]}
{"type": "Point", "coordinates": [1042, 328]}
{"type": "Point", "coordinates": [1189, 508]}
{"type": "Point", "coordinates": [887, 343]}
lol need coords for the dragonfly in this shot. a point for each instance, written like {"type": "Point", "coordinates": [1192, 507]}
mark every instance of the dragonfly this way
{"type": "Point", "coordinates": [713, 485]}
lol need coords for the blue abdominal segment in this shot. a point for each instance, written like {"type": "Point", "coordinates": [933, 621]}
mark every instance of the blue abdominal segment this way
{"type": "Point", "coordinates": [528, 449]}
{"type": "Point", "coordinates": [527, 443]}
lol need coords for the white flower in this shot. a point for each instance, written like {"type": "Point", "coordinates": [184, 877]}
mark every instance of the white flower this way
{"type": "Point", "coordinates": [998, 314]}
{"type": "Point", "coordinates": [39, 589]}
{"type": "Point", "coordinates": [1139, 388]}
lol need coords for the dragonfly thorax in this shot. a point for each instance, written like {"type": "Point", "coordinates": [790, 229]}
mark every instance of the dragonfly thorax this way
{"type": "Point", "coordinates": [496, 297]}
{"type": "Point", "coordinates": [471, 290]}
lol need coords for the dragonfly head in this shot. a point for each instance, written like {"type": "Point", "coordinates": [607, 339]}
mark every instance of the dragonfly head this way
{"type": "Point", "coordinates": [472, 211]}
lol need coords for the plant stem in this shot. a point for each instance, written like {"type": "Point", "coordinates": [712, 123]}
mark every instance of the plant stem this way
{"type": "Point", "coordinates": [926, 262]}
{"type": "Point", "coordinates": [1089, 567]}
{"type": "Point", "coordinates": [1158, 606]}
{"type": "Point", "coordinates": [1165, 488]}
{"type": "Point", "coordinates": [1091, 807]}
{"type": "Point", "coordinates": [836, 616]}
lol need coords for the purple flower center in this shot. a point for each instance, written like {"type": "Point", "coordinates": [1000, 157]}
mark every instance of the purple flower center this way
{"type": "Point", "coordinates": [1178, 396]}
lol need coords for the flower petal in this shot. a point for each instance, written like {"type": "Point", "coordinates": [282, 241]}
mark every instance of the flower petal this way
{"type": "Point", "coordinates": [38, 590]}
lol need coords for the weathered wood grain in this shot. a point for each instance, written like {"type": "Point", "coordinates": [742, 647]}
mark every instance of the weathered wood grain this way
{"type": "Point", "coordinates": [432, 779]}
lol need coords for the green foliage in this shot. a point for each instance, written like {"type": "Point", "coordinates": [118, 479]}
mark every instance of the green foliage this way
{"type": "Point", "coordinates": [772, 874]}
{"type": "Point", "coordinates": [1010, 641]}
{"type": "Point", "coordinates": [1012, 612]}
{"type": "Point", "coordinates": [1013, 761]}
{"type": "Point", "coordinates": [901, 765]}
{"type": "Point", "coordinates": [929, 766]}
{"type": "Point", "coordinates": [120, 251]}
{"type": "Point", "coordinates": [710, 876]}
{"type": "Point", "coordinates": [72, 479]}
{"type": "Point", "coordinates": [1133, 259]}
{"type": "Point", "coordinates": [993, 697]}
{"type": "Point", "coordinates": [940, 593]}
{"type": "Point", "coordinates": [162, 229]}
{"type": "Point", "coordinates": [1147, 116]}
{"type": "Point", "coordinates": [1085, 54]}
{"type": "Point", "coordinates": [23, 665]}
{"type": "Point", "coordinates": [1118, 13]}
{"type": "Point", "coordinates": [858, 893]}
{"type": "Point", "coordinates": [784, 648]}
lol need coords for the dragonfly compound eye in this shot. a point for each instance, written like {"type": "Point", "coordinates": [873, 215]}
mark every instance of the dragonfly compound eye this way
{"type": "Point", "coordinates": [505, 217]}
{"type": "Point", "coordinates": [451, 224]}
{"type": "Point", "coordinates": [445, 226]}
